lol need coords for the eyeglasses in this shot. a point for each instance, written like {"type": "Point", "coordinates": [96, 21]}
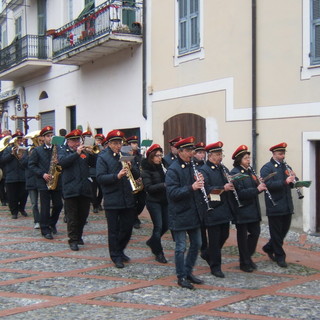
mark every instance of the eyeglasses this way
{"type": "Point", "coordinates": [159, 155]}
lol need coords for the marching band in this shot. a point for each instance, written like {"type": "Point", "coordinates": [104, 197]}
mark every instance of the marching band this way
{"type": "Point", "coordinates": [189, 192]}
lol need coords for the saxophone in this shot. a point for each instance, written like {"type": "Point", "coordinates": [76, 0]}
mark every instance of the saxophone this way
{"type": "Point", "coordinates": [54, 169]}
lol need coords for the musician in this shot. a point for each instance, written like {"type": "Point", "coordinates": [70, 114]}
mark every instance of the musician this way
{"type": "Point", "coordinates": [172, 155]}
{"type": "Point", "coordinates": [141, 195]}
{"type": "Point", "coordinates": [218, 220]}
{"type": "Point", "coordinates": [96, 189]}
{"type": "Point", "coordinates": [41, 162]}
{"type": "Point", "coordinates": [75, 161]}
{"type": "Point", "coordinates": [246, 218]}
{"type": "Point", "coordinates": [31, 180]}
{"type": "Point", "coordinates": [185, 203]}
{"type": "Point", "coordinates": [199, 156]}
{"type": "Point", "coordinates": [279, 216]}
{"type": "Point", "coordinates": [15, 182]}
{"type": "Point", "coordinates": [153, 177]}
{"type": "Point", "coordinates": [3, 192]}
{"type": "Point", "coordinates": [119, 202]}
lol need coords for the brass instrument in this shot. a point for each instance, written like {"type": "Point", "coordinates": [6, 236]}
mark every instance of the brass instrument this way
{"type": "Point", "coordinates": [136, 186]}
{"type": "Point", "coordinates": [97, 148]}
{"type": "Point", "coordinates": [54, 169]}
{"type": "Point", "coordinates": [17, 149]}
{"type": "Point", "coordinates": [34, 135]}
{"type": "Point", "coordinates": [4, 142]}
{"type": "Point", "coordinates": [203, 190]}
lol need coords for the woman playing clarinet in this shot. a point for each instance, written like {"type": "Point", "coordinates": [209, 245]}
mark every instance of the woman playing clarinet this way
{"type": "Point", "coordinates": [247, 217]}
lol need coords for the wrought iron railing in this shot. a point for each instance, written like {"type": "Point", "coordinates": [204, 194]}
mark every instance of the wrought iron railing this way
{"type": "Point", "coordinates": [109, 17]}
{"type": "Point", "coordinates": [27, 47]}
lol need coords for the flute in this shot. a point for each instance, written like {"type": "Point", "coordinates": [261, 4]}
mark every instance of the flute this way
{"type": "Point", "coordinates": [300, 195]}
{"type": "Point", "coordinates": [203, 190]}
{"type": "Point", "coordinates": [266, 191]}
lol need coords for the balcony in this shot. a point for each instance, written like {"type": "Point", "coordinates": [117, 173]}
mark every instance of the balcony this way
{"type": "Point", "coordinates": [104, 30]}
{"type": "Point", "coordinates": [25, 58]}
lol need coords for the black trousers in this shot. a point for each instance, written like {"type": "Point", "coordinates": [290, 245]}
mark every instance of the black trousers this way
{"type": "Point", "coordinates": [120, 224]}
{"type": "Point", "coordinates": [78, 212]}
{"type": "Point", "coordinates": [278, 228]}
{"type": "Point", "coordinates": [247, 238]}
{"type": "Point", "coordinates": [97, 193]}
{"type": "Point", "coordinates": [48, 219]}
{"type": "Point", "coordinates": [17, 196]}
{"type": "Point", "coordinates": [3, 192]}
{"type": "Point", "coordinates": [217, 236]}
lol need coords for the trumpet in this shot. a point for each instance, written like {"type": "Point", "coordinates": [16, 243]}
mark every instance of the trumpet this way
{"type": "Point", "coordinates": [230, 181]}
{"type": "Point", "coordinates": [259, 181]}
{"type": "Point", "coordinates": [300, 195]}
{"type": "Point", "coordinates": [5, 141]}
{"type": "Point", "coordinates": [203, 190]}
{"type": "Point", "coordinates": [17, 149]}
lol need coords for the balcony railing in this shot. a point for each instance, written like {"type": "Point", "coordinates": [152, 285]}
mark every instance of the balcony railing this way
{"type": "Point", "coordinates": [28, 47]}
{"type": "Point", "coordinates": [110, 17]}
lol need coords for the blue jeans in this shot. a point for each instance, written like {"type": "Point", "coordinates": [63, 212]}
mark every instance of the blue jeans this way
{"type": "Point", "coordinates": [159, 216]}
{"type": "Point", "coordinates": [184, 266]}
{"type": "Point", "coordinates": [33, 194]}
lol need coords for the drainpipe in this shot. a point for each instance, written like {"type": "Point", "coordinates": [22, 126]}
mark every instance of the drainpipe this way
{"type": "Point", "coordinates": [144, 61]}
{"type": "Point", "coordinates": [254, 84]}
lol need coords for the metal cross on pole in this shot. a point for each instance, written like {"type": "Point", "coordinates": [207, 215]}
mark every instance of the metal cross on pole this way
{"type": "Point", "coordinates": [25, 118]}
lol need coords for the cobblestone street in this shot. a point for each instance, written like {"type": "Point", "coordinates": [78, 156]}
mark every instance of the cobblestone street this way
{"type": "Point", "coordinates": [44, 279]}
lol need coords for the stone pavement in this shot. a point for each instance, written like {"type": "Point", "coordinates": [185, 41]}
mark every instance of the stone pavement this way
{"type": "Point", "coordinates": [44, 279]}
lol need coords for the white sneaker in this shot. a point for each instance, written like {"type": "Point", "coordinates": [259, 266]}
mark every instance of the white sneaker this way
{"type": "Point", "coordinates": [37, 226]}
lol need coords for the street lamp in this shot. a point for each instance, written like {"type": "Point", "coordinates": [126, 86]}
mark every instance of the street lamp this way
{"type": "Point", "coordinates": [25, 118]}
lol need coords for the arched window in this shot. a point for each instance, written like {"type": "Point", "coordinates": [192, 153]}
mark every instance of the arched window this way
{"type": "Point", "coordinates": [43, 95]}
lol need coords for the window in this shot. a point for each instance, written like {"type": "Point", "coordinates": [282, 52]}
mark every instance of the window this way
{"type": "Point", "coordinates": [42, 19]}
{"type": "Point", "coordinates": [189, 37]}
{"type": "Point", "coordinates": [315, 32]}
{"type": "Point", "coordinates": [18, 27]}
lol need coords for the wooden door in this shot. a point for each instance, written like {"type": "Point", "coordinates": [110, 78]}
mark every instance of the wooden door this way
{"type": "Point", "coordinates": [184, 125]}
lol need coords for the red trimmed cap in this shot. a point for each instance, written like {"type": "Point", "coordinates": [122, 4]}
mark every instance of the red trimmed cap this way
{"type": "Point", "coordinates": [99, 136]}
{"type": "Point", "coordinates": [74, 134]}
{"type": "Point", "coordinates": [185, 143]}
{"type": "Point", "coordinates": [18, 134]}
{"type": "Point", "coordinates": [279, 147]}
{"type": "Point", "coordinates": [133, 139]}
{"type": "Point", "coordinates": [153, 148]}
{"type": "Point", "coordinates": [240, 150]}
{"type": "Point", "coordinates": [200, 147]}
{"type": "Point", "coordinates": [175, 140]}
{"type": "Point", "coordinates": [104, 142]}
{"type": "Point", "coordinates": [46, 130]}
{"type": "Point", "coordinates": [87, 134]}
{"type": "Point", "coordinates": [115, 135]}
{"type": "Point", "coordinates": [214, 147]}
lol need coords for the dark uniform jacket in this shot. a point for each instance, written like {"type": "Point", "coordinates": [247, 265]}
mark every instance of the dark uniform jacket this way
{"type": "Point", "coordinates": [117, 194]}
{"type": "Point", "coordinates": [153, 178]}
{"type": "Point", "coordinates": [278, 188]}
{"type": "Point", "coordinates": [168, 159]}
{"type": "Point", "coordinates": [186, 206]}
{"type": "Point", "coordinates": [31, 178]}
{"type": "Point", "coordinates": [75, 176]}
{"type": "Point", "coordinates": [39, 164]}
{"type": "Point", "coordinates": [215, 180]}
{"type": "Point", "coordinates": [13, 167]}
{"type": "Point", "coordinates": [248, 196]}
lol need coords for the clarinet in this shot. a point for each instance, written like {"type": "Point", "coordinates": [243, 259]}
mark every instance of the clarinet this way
{"type": "Point", "coordinates": [300, 195]}
{"type": "Point", "coordinates": [266, 191]}
{"type": "Point", "coordinates": [203, 190]}
{"type": "Point", "coordinates": [234, 190]}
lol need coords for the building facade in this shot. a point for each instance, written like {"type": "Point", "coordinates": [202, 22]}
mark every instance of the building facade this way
{"type": "Point", "coordinates": [249, 72]}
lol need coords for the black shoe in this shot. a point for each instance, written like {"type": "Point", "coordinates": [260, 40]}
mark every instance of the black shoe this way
{"type": "Point", "coordinates": [125, 258]}
{"type": "Point", "coordinates": [24, 213]}
{"type": "Point", "coordinates": [119, 264]}
{"type": "Point", "coordinates": [80, 242]}
{"type": "Point", "coordinates": [74, 246]}
{"type": "Point", "coordinates": [184, 283]}
{"type": "Point", "coordinates": [53, 229]}
{"type": "Point", "coordinates": [282, 264]}
{"type": "Point", "coordinates": [4, 204]}
{"type": "Point", "coordinates": [14, 216]}
{"type": "Point", "coordinates": [246, 268]}
{"type": "Point", "coordinates": [48, 236]}
{"type": "Point", "coordinates": [161, 258]}
{"type": "Point", "coordinates": [269, 253]}
{"type": "Point", "coordinates": [253, 265]}
{"type": "Point", "coordinates": [194, 279]}
{"type": "Point", "coordinates": [95, 210]}
{"type": "Point", "coordinates": [137, 225]}
{"type": "Point", "coordinates": [218, 274]}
